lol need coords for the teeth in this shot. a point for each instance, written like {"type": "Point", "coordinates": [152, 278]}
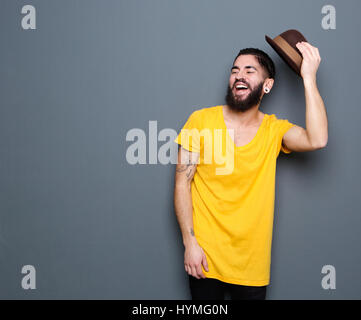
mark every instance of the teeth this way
{"type": "Point", "coordinates": [241, 86]}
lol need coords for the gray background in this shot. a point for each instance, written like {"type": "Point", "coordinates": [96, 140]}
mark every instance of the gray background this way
{"type": "Point", "coordinates": [95, 226]}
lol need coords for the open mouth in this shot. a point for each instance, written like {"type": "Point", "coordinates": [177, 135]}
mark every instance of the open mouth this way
{"type": "Point", "coordinates": [241, 87]}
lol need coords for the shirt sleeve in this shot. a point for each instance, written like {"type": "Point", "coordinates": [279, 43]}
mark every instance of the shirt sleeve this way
{"type": "Point", "coordinates": [189, 137]}
{"type": "Point", "coordinates": [284, 126]}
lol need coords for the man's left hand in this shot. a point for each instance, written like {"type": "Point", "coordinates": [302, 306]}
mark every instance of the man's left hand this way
{"type": "Point", "coordinates": [311, 60]}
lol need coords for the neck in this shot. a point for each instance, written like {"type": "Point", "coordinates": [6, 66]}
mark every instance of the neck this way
{"type": "Point", "coordinates": [247, 118]}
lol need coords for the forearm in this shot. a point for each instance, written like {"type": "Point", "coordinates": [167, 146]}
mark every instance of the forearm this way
{"type": "Point", "coordinates": [184, 212]}
{"type": "Point", "coordinates": [316, 116]}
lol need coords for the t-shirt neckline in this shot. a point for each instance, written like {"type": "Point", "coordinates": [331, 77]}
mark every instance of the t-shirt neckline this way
{"type": "Point", "coordinates": [254, 139]}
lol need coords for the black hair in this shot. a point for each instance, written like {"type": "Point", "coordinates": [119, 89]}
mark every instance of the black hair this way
{"type": "Point", "coordinates": [263, 59]}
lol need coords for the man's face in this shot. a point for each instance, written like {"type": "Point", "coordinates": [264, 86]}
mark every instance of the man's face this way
{"type": "Point", "coordinates": [245, 88]}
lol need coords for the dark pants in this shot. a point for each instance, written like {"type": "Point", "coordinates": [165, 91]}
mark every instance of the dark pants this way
{"type": "Point", "coordinates": [214, 289]}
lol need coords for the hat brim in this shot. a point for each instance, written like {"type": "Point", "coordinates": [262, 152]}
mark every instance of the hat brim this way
{"type": "Point", "coordinates": [285, 57]}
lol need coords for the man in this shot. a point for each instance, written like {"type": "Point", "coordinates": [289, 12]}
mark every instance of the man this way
{"type": "Point", "coordinates": [226, 219]}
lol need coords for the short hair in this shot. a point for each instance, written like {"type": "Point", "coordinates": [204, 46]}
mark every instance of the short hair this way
{"type": "Point", "coordinates": [263, 59]}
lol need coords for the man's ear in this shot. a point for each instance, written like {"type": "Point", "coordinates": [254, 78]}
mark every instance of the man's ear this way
{"type": "Point", "coordinates": [268, 83]}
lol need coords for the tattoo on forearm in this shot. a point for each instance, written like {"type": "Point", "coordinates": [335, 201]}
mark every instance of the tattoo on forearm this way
{"type": "Point", "coordinates": [182, 168]}
{"type": "Point", "coordinates": [187, 167]}
{"type": "Point", "coordinates": [190, 171]}
{"type": "Point", "coordinates": [192, 232]}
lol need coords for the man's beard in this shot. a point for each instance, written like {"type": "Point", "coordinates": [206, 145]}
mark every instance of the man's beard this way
{"type": "Point", "coordinates": [239, 105]}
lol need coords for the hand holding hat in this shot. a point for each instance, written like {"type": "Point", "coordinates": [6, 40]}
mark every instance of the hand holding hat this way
{"type": "Point", "coordinates": [294, 49]}
{"type": "Point", "coordinates": [311, 60]}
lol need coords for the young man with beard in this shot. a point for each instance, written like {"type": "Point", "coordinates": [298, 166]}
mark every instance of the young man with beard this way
{"type": "Point", "coordinates": [226, 220]}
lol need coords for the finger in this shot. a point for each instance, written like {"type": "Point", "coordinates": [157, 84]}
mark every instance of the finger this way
{"type": "Point", "coordinates": [306, 50]}
{"type": "Point", "coordinates": [186, 268]}
{"type": "Point", "coordinates": [308, 45]}
{"type": "Point", "coordinates": [307, 54]}
{"type": "Point", "coordinates": [194, 272]}
{"type": "Point", "coordinates": [301, 48]}
{"type": "Point", "coordinates": [313, 50]}
{"type": "Point", "coordinates": [205, 263]}
{"type": "Point", "coordinates": [200, 272]}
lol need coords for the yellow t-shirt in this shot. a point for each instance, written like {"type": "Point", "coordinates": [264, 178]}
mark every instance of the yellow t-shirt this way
{"type": "Point", "coordinates": [233, 193]}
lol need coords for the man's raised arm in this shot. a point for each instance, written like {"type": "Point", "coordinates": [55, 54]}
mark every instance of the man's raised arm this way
{"type": "Point", "coordinates": [315, 135]}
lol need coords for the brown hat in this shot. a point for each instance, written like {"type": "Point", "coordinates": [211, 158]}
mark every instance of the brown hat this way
{"type": "Point", "coordinates": [285, 46]}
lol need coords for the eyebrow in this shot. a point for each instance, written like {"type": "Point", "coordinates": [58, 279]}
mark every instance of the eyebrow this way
{"type": "Point", "coordinates": [247, 67]}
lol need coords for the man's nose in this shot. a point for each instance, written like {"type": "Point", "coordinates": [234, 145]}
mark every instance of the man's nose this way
{"type": "Point", "coordinates": [240, 75]}
{"type": "Point", "coordinates": [240, 78]}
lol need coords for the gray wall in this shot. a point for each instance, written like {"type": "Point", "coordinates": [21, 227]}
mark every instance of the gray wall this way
{"type": "Point", "coordinates": [95, 226]}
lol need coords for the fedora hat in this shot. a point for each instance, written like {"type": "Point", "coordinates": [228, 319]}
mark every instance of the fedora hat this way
{"type": "Point", "coordinates": [285, 46]}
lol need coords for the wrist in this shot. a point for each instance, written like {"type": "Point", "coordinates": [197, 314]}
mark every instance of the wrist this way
{"type": "Point", "coordinates": [189, 241]}
{"type": "Point", "coordinates": [309, 80]}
